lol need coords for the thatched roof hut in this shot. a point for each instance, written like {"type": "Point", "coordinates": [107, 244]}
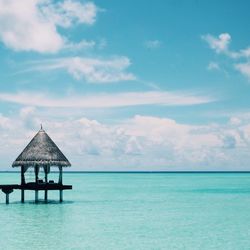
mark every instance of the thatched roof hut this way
{"type": "Point", "coordinates": [41, 151]}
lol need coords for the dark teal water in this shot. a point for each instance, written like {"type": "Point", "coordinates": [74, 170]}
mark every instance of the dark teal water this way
{"type": "Point", "coordinates": [132, 211]}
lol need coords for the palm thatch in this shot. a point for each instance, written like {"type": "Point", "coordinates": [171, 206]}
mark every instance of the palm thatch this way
{"type": "Point", "coordinates": [41, 151]}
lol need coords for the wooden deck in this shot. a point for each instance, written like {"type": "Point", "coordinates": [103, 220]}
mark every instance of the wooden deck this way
{"type": "Point", "coordinates": [36, 186]}
{"type": "Point", "coordinates": [9, 188]}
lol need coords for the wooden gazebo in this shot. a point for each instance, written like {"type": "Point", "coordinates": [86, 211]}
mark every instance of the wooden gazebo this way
{"type": "Point", "coordinates": [43, 153]}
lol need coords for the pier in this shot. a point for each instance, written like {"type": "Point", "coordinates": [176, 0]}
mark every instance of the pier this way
{"type": "Point", "coordinates": [40, 153]}
{"type": "Point", "coordinates": [9, 188]}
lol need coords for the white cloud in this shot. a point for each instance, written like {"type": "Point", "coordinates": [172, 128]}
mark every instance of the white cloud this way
{"type": "Point", "coordinates": [235, 121]}
{"type": "Point", "coordinates": [245, 52]}
{"type": "Point", "coordinates": [220, 43]}
{"type": "Point", "coordinates": [244, 68]}
{"type": "Point", "coordinates": [107, 100]}
{"type": "Point", "coordinates": [213, 66]}
{"type": "Point", "coordinates": [84, 44]}
{"type": "Point", "coordinates": [27, 111]}
{"type": "Point", "coordinates": [5, 122]}
{"type": "Point", "coordinates": [68, 12]}
{"type": "Point", "coordinates": [31, 25]}
{"type": "Point", "coordinates": [93, 70]}
{"type": "Point", "coordinates": [140, 143]}
{"type": "Point", "coordinates": [153, 44]}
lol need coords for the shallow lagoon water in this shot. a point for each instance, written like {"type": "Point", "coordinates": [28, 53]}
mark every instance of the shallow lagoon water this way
{"type": "Point", "coordinates": [131, 211]}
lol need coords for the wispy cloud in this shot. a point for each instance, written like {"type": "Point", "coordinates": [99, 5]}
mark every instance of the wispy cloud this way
{"type": "Point", "coordinates": [83, 44]}
{"type": "Point", "coordinates": [153, 44]}
{"type": "Point", "coordinates": [107, 100]}
{"type": "Point", "coordinates": [33, 25]}
{"type": "Point", "coordinates": [213, 66]}
{"type": "Point", "coordinates": [93, 70]}
{"type": "Point", "coordinates": [220, 45]}
{"type": "Point", "coordinates": [244, 68]}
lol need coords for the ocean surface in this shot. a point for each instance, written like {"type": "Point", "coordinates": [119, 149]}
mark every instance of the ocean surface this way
{"type": "Point", "coordinates": [131, 211]}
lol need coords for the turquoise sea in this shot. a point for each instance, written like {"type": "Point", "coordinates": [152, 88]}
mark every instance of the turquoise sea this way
{"type": "Point", "coordinates": [132, 211]}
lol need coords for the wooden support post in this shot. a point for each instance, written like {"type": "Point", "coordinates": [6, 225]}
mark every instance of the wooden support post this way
{"type": "Point", "coordinates": [46, 170]}
{"type": "Point", "coordinates": [46, 195]}
{"type": "Point", "coordinates": [60, 175]}
{"type": "Point", "coordinates": [7, 198]}
{"type": "Point", "coordinates": [22, 195]}
{"type": "Point", "coordinates": [36, 196]}
{"type": "Point", "coordinates": [60, 182]}
{"type": "Point", "coordinates": [61, 195]}
{"type": "Point", "coordinates": [22, 176]}
{"type": "Point", "coordinates": [36, 173]}
{"type": "Point", "coordinates": [46, 176]}
{"type": "Point", "coordinates": [7, 194]}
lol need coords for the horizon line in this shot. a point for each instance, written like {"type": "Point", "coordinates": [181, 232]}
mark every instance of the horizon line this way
{"type": "Point", "coordinates": [152, 172]}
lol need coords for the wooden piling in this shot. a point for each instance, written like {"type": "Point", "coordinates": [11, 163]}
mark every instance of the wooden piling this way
{"type": "Point", "coordinates": [22, 195]}
{"type": "Point", "coordinates": [46, 195]}
{"type": "Point", "coordinates": [61, 195]}
{"type": "Point", "coordinates": [36, 196]}
{"type": "Point", "coordinates": [7, 192]}
{"type": "Point", "coordinates": [7, 198]}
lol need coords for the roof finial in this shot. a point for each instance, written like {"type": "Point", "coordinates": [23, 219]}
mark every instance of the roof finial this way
{"type": "Point", "coordinates": [41, 126]}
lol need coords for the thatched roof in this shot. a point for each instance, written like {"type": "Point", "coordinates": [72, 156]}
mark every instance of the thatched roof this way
{"type": "Point", "coordinates": [41, 151]}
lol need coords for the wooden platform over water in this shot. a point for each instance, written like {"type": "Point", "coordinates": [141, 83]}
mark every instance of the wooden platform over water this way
{"type": "Point", "coordinates": [36, 186]}
{"type": "Point", "coordinates": [9, 188]}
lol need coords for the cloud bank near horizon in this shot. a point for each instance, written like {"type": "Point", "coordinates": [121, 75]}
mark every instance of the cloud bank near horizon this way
{"type": "Point", "coordinates": [139, 143]}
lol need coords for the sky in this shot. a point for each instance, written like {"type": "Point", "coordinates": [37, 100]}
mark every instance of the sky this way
{"type": "Point", "coordinates": [136, 85]}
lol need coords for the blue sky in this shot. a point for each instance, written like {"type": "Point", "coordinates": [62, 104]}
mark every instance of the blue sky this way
{"type": "Point", "coordinates": [128, 85]}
